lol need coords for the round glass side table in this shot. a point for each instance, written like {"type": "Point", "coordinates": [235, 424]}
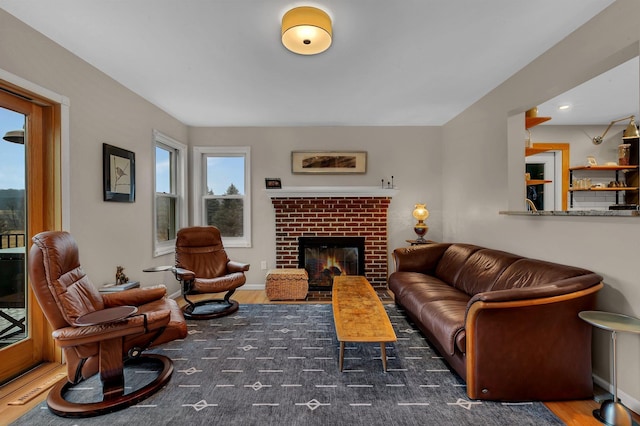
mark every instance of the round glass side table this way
{"type": "Point", "coordinates": [612, 412]}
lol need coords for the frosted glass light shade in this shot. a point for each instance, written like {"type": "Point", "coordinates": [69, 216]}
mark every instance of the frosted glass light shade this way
{"type": "Point", "coordinates": [420, 212]}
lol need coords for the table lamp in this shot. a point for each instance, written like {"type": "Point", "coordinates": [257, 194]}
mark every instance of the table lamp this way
{"type": "Point", "coordinates": [421, 214]}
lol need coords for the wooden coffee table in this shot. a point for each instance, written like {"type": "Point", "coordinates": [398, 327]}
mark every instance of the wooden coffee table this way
{"type": "Point", "coordinates": [359, 315]}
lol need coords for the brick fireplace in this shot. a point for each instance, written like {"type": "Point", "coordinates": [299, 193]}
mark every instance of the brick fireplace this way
{"type": "Point", "coordinates": [308, 214]}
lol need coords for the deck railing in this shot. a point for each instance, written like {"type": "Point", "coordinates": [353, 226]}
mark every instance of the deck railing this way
{"type": "Point", "coordinates": [11, 240]}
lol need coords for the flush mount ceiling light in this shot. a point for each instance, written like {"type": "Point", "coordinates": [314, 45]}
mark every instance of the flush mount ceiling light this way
{"type": "Point", "coordinates": [306, 30]}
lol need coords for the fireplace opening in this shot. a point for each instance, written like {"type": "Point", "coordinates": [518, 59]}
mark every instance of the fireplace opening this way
{"type": "Point", "coordinates": [326, 257]}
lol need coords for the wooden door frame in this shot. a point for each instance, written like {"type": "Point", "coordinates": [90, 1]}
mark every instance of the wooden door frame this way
{"type": "Point", "coordinates": [44, 212]}
{"type": "Point", "coordinates": [564, 148]}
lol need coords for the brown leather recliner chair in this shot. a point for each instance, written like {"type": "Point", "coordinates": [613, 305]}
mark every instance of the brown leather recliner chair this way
{"type": "Point", "coordinates": [91, 338]}
{"type": "Point", "coordinates": [202, 266]}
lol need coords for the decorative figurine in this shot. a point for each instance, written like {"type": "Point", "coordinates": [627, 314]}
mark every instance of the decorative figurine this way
{"type": "Point", "coordinates": [121, 278]}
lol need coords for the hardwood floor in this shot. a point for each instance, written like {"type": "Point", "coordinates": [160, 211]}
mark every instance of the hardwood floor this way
{"type": "Point", "coordinates": [39, 380]}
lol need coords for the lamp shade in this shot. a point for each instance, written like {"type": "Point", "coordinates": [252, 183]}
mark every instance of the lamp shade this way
{"type": "Point", "coordinates": [420, 212]}
{"type": "Point", "coordinates": [15, 136]}
{"type": "Point", "coordinates": [306, 30]}
{"type": "Point", "coordinates": [631, 132]}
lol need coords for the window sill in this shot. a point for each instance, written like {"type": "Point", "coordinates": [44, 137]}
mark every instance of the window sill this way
{"type": "Point", "coordinates": [164, 249]}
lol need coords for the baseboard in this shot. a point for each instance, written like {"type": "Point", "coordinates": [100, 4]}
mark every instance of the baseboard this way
{"type": "Point", "coordinates": [252, 287]}
{"type": "Point", "coordinates": [630, 402]}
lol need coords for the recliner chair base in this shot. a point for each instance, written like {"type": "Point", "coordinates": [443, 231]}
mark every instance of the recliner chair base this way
{"type": "Point", "coordinates": [116, 400]}
{"type": "Point", "coordinates": [208, 309]}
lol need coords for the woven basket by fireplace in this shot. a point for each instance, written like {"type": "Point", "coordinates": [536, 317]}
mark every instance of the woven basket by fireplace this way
{"type": "Point", "coordinates": [287, 284]}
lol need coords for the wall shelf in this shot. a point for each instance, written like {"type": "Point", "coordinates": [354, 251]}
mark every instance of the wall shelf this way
{"type": "Point", "coordinates": [630, 180]}
{"type": "Point", "coordinates": [619, 188]}
{"type": "Point", "coordinates": [530, 122]}
{"type": "Point", "coordinates": [609, 168]}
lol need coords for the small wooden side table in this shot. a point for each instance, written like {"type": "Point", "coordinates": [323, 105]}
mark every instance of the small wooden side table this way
{"type": "Point", "coordinates": [419, 243]}
{"type": "Point", "coordinates": [612, 412]}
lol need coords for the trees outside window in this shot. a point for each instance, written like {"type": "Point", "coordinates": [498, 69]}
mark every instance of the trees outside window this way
{"type": "Point", "coordinates": [226, 212]}
{"type": "Point", "coordinates": [170, 192]}
{"type": "Point", "coordinates": [223, 192]}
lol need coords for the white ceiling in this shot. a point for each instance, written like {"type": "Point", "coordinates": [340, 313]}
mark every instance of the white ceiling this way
{"type": "Point", "coordinates": [221, 63]}
{"type": "Point", "coordinates": [607, 97]}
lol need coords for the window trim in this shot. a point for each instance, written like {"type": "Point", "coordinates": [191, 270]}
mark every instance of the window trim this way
{"type": "Point", "coordinates": [180, 180]}
{"type": "Point", "coordinates": [199, 188]}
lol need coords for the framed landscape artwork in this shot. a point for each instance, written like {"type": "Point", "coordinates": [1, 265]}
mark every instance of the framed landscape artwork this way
{"type": "Point", "coordinates": [119, 174]}
{"type": "Point", "coordinates": [329, 162]}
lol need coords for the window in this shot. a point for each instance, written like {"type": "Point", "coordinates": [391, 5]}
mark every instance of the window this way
{"type": "Point", "coordinates": [222, 192]}
{"type": "Point", "coordinates": [170, 191]}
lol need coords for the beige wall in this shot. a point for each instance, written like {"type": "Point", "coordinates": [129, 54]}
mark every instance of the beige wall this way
{"type": "Point", "coordinates": [473, 194]}
{"type": "Point", "coordinates": [101, 110]}
{"type": "Point", "coordinates": [410, 154]}
{"type": "Point", "coordinates": [580, 141]}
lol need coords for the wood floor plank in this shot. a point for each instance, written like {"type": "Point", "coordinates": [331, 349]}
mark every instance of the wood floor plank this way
{"type": "Point", "coordinates": [27, 384]}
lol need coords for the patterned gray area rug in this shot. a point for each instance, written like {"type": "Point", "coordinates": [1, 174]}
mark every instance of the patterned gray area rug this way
{"type": "Point", "coordinates": [278, 365]}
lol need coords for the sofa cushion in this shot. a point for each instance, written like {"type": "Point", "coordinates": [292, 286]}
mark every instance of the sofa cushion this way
{"type": "Point", "coordinates": [453, 260]}
{"type": "Point", "coordinates": [532, 272]}
{"type": "Point", "coordinates": [444, 320]}
{"type": "Point", "coordinates": [482, 269]}
{"type": "Point", "coordinates": [416, 285]}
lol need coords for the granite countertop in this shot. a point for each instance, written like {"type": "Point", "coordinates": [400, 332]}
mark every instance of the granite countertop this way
{"type": "Point", "coordinates": [615, 213]}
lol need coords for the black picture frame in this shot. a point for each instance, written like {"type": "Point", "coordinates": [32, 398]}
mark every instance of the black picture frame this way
{"type": "Point", "coordinates": [273, 183]}
{"type": "Point", "coordinates": [119, 174]}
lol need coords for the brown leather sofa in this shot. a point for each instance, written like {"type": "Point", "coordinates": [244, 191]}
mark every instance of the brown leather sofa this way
{"type": "Point", "coordinates": [508, 325]}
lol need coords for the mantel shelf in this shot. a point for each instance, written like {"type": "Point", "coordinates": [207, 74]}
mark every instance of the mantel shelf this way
{"type": "Point", "coordinates": [330, 191]}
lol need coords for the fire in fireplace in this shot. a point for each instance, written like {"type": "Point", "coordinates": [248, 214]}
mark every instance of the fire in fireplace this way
{"type": "Point", "coordinates": [327, 257]}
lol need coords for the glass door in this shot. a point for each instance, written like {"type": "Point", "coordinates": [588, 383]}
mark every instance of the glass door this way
{"type": "Point", "coordinates": [28, 204]}
{"type": "Point", "coordinates": [13, 284]}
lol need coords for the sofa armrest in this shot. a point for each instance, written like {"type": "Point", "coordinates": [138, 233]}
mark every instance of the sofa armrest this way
{"type": "Point", "coordinates": [134, 297]}
{"type": "Point", "coordinates": [569, 285]}
{"type": "Point", "coordinates": [506, 342]}
{"type": "Point", "coordinates": [233, 266]}
{"type": "Point", "coordinates": [135, 324]}
{"type": "Point", "coordinates": [184, 274]}
{"type": "Point", "coordinates": [423, 258]}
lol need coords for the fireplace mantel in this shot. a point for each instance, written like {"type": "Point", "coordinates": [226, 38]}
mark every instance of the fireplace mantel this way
{"type": "Point", "coordinates": [330, 191]}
